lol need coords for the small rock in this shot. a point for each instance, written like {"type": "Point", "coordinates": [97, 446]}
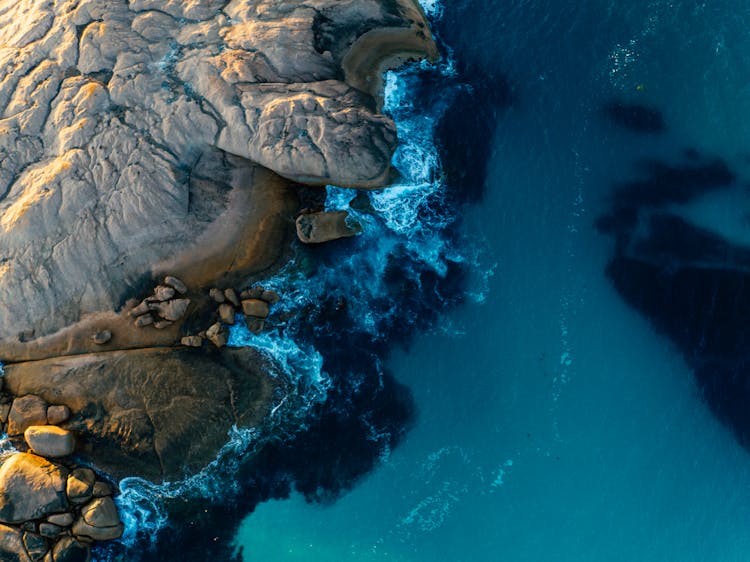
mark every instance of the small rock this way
{"type": "Point", "coordinates": [69, 549]}
{"type": "Point", "coordinates": [217, 295]}
{"type": "Point", "coordinates": [57, 414]}
{"type": "Point", "coordinates": [143, 321]}
{"type": "Point", "coordinates": [271, 297]}
{"type": "Point", "coordinates": [176, 284]}
{"type": "Point", "coordinates": [171, 310]}
{"type": "Point", "coordinates": [99, 521]}
{"type": "Point", "coordinates": [61, 519]}
{"type": "Point", "coordinates": [255, 307]}
{"type": "Point", "coordinates": [50, 441]}
{"type": "Point", "coordinates": [36, 545]}
{"type": "Point", "coordinates": [26, 411]}
{"type": "Point", "coordinates": [226, 313]}
{"type": "Point", "coordinates": [50, 530]}
{"type": "Point", "coordinates": [192, 341]}
{"type": "Point", "coordinates": [316, 228]}
{"type": "Point", "coordinates": [232, 297]}
{"type": "Point", "coordinates": [255, 325]}
{"type": "Point", "coordinates": [30, 488]}
{"type": "Point", "coordinates": [255, 292]}
{"type": "Point", "coordinates": [80, 485]}
{"type": "Point", "coordinates": [102, 489]}
{"type": "Point", "coordinates": [100, 338]}
{"type": "Point", "coordinates": [217, 335]}
{"type": "Point", "coordinates": [162, 293]}
{"type": "Point", "coordinates": [162, 324]}
{"type": "Point", "coordinates": [140, 310]}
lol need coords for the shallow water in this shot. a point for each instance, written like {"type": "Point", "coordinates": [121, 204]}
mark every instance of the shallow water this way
{"type": "Point", "coordinates": [553, 422]}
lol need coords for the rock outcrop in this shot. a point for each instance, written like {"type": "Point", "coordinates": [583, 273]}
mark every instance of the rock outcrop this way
{"type": "Point", "coordinates": [316, 228]}
{"type": "Point", "coordinates": [129, 130]}
{"type": "Point", "coordinates": [155, 413]}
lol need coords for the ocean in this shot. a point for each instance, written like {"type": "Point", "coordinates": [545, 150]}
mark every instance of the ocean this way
{"type": "Point", "coordinates": [553, 418]}
{"type": "Point", "coordinates": [536, 348]}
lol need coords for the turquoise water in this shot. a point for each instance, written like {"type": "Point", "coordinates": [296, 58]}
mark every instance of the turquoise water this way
{"type": "Point", "coordinates": [553, 422]}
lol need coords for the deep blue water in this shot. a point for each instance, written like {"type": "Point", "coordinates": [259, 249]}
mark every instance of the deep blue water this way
{"type": "Point", "coordinates": [535, 351]}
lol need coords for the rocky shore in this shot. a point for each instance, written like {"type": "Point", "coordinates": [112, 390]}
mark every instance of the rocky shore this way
{"type": "Point", "coordinates": [154, 159]}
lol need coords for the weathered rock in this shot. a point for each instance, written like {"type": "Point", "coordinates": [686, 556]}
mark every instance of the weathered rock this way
{"type": "Point", "coordinates": [192, 341]}
{"type": "Point", "coordinates": [143, 321]}
{"type": "Point", "coordinates": [80, 485]}
{"type": "Point", "coordinates": [50, 441]}
{"type": "Point", "coordinates": [141, 309]}
{"type": "Point", "coordinates": [12, 548]}
{"type": "Point", "coordinates": [231, 296]}
{"type": "Point", "coordinates": [102, 489]}
{"type": "Point", "coordinates": [271, 297]}
{"type": "Point", "coordinates": [50, 530]}
{"type": "Point", "coordinates": [226, 313]}
{"type": "Point", "coordinates": [26, 411]}
{"type": "Point", "coordinates": [171, 310]}
{"type": "Point", "coordinates": [162, 293]}
{"type": "Point", "coordinates": [61, 519]}
{"type": "Point", "coordinates": [100, 338]}
{"type": "Point", "coordinates": [30, 488]}
{"type": "Point", "coordinates": [217, 295]}
{"type": "Point", "coordinates": [57, 414]}
{"type": "Point", "coordinates": [316, 228]}
{"type": "Point", "coordinates": [153, 412]}
{"type": "Point", "coordinates": [99, 521]}
{"type": "Point", "coordinates": [176, 284]}
{"type": "Point", "coordinates": [68, 549]}
{"type": "Point", "coordinates": [255, 307]}
{"type": "Point", "coordinates": [218, 335]}
{"type": "Point", "coordinates": [36, 545]}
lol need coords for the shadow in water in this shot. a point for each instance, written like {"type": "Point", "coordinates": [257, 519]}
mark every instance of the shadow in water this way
{"type": "Point", "coordinates": [635, 117]}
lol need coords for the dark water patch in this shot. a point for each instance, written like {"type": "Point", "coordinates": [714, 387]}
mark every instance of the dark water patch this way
{"type": "Point", "coordinates": [635, 117]}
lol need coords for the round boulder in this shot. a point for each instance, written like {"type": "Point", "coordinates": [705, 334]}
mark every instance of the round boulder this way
{"type": "Point", "coordinates": [50, 441]}
{"type": "Point", "coordinates": [31, 488]}
{"type": "Point", "coordinates": [99, 521]}
{"type": "Point", "coordinates": [26, 411]}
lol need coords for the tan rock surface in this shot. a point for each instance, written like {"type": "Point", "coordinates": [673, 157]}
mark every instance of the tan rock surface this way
{"type": "Point", "coordinates": [129, 129]}
{"type": "Point", "coordinates": [152, 412]}
{"type": "Point", "coordinates": [30, 488]}
{"type": "Point", "coordinates": [50, 441]}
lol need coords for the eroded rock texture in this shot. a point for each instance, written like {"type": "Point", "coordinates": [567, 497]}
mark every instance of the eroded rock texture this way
{"type": "Point", "coordinates": [122, 124]}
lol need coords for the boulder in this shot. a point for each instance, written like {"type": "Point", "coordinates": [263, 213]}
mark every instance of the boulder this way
{"type": "Point", "coordinates": [68, 549]}
{"type": "Point", "coordinates": [31, 488]}
{"type": "Point", "coordinates": [256, 307]}
{"type": "Point", "coordinates": [163, 324]}
{"type": "Point", "coordinates": [100, 338]}
{"type": "Point", "coordinates": [217, 295]}
{"type": "Point", "coordinates": [50, 530]}
{"type": "Point", "coordinates": [176, 284]}
{"type": "Point", "coordinates": [12, 548]}
{"type": "Point", "coordinates": [316, 228]}
{"type": "Point", "coordinates": [99, 521]}
{"type": "Point", "coordinates": [141, 309]}
{"type": "Point", "coordinates": [255, 325]}
{"type": "Point", "coordinates": [50, 441]}
{"type": "Point", "coordinates": [231, 296]}
{"type": "Point", "coordinates": [80, 485]}
{"type": "Point", "coordinates": [143, 321]}
{"type": "Point", "coordinates": [36, 545]}
{"type": "Point", "coordinates": [61, 519]}
{"type": "Point", "coordinates": [4, 412]}
{"type": "Point", "coordinates": [226, 313]}
{"type": "Point", "coordinates": [26, 411]}
{"type": "Point", "coordinates": [162, 293]}
{"type": "Point", "coordinates": [218, 335]}
{"type": "Point", "coordinates": [271, 297]}
{"type": "Point", "coordinates": [102, 489]}
{"type": "Point", "coordinates": [57, 414]}
{"type": "Point", "coordinates": [171, 310]}
{"type": "Point", "coordinates": [192, 341]}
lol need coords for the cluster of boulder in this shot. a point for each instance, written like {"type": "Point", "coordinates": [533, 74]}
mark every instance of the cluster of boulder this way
{"type": "Point", "coordinates": [51, 509]}
{"type": "Point", "coordinates": [254, 303]}
{"type": "Point", "coordinates": [164, 307]}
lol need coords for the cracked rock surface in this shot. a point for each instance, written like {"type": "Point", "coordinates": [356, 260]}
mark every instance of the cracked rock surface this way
{"type": "Point", "coordinates": [122, 124]}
